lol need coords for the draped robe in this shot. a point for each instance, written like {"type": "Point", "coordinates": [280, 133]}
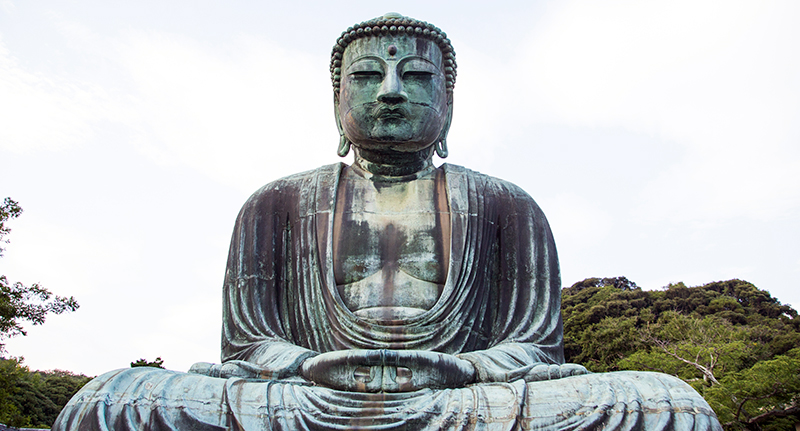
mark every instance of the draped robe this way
{"type": "Point", "coordinates": [499, 310]}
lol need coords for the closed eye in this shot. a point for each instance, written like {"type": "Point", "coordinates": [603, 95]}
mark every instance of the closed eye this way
{"type": "Point", "coordinates": [366, 74]}
{"type": "Point", "coordinates": [419, 74]}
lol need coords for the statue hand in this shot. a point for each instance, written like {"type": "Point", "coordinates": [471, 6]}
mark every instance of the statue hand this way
{"type": "Point", "coordinates": [433, 370]}
{"type": "Point", "coordinates": [387, 370]}
{"type": "Point", "coordinates": [542, 372]}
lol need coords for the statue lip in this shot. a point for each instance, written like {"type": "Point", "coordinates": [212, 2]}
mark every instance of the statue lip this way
{"type": "Point", "coordinates": [386, 112]}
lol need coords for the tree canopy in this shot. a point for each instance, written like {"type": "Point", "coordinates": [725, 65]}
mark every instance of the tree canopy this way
{"type": "Point", "coordinates": [34, 398]}
{"type": "Point", "coordinates": [156, 363]}
{"type": "Point", "coordinates": [29, 398]}
{"type": "Point", "coordinates": [20, 303]}
{"type": "Point", "coordinates": [734, 343]}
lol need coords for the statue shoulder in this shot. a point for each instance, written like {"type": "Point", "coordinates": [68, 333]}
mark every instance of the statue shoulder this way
{"type": "Point", "coordinates": [502, 191]}
{"type": "Point", "coordinates": [291, 186]}
{"type": "Point", "coordinates": [284, 194]}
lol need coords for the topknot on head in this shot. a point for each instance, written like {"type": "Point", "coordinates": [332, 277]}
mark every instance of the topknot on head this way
{"type": "Point", "coordinates": [393, 23]}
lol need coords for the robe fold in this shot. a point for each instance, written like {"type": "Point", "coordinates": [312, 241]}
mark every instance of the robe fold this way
{"type": "Point", "coordinates": [499, 309]}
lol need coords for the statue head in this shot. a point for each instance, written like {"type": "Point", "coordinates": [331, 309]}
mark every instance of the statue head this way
{"type": "Point", "coordinates": [393, 80]}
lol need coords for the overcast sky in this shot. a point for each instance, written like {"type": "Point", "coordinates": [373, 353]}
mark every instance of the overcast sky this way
{"type": "Point", "coordinates": [660, 138]}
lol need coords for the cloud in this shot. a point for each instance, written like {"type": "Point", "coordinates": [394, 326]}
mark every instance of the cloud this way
{"type": "Point", "coordinates": [44, 252]}
{"type": "Point", "coordinates": [41, 112]}
{"type": "Point", "coordinates": [241, 113]}
{"type": "Point", "coordinates": [719, 79]}
{"type": "Point", "coordinates": [577, 221]}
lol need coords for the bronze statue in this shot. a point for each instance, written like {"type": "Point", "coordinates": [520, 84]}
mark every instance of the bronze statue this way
{"type": "Point", "coordinates": [390, 294]}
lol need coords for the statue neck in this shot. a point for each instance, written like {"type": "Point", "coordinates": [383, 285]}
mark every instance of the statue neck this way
{"type": "Point", "coordinates": [396, 164]}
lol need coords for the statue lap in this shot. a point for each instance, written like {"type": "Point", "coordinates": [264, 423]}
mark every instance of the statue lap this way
{"type": "Point", "coordinates": [154, 399]}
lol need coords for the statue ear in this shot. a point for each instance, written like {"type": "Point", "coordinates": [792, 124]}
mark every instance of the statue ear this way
{"type": "Point", "coordinates": [344, 143]}
{"type": "Point", "coordinates": [441, 143]}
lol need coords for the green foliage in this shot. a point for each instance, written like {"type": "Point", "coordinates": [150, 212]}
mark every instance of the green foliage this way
{"type": "Point", "coordinates": [621, 283]}
{"type": "Point", "coordinates": [29, 399]}
{"type": "Point", "coordinates": [157, 363]}
{"type": "Point", "coordinates": [34, 399]}
{"type": "Point", "coordinates": [601, 323]}
{"type": "Point", "coordinates": [8, 210]}
{"type": "Point", "coordinates": [10, 374]}
{"type": "Point", "coordinates": [734, 343]}
{"type": "Point", "coordinates": [691, 348]}
{"type": "Point", "coordinates": [767, 393]}
{"type": "Point", "coordinates": [20, 303]}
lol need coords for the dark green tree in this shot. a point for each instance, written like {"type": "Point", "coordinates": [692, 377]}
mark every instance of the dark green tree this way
{"type": "Point", "coordinates": [29, 399]}
{"type": "Point", "coordinates": [34, 398]}
{"type": "Point", "coordinates": [156, 363]}
{"type": "Point", "coordinates": [20, 303]}
{"type": "Point", "coordinates": [11, 373]}
{"type": "Point", "coordinates": [734, 343]}
{"type": "Point", "coordinates": [698, 350]}
{"type": "Point", "coordinates": [765, 396]}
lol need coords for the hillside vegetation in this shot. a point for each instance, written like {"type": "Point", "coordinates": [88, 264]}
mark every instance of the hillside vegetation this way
{"type": "Point", "coordinates": [34, 398]}
{"type": "Point", "coordinates": [735, 344]}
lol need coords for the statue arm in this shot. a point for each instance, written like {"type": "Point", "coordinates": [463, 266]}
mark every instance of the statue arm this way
{"type": "Point", "coordinates": [252, 329]}
{"type": "Point", "coordinates": [506, 362]}
{"type": "Point", "coordinates": [252, 334]}
{"type": "Point", "coordinates": [274, 359]}
{"type": "Point", "coordinates": [526, 331]}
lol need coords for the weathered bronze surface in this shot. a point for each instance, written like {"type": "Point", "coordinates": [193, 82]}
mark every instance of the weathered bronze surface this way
{"type": "Point", "coordinates": [390, 294]}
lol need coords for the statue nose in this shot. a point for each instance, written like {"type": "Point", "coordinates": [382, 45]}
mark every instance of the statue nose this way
{"type": "Point", "coordinates": [391, 91]}
{"type": "Point", "coordinates": [393, 98]}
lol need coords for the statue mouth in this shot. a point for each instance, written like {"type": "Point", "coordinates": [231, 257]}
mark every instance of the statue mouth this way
{"type": "Point", "coordinates": [385, 112]}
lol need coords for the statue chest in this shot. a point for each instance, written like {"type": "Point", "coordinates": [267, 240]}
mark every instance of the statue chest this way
{"type": "Point", "coordinates": [390, 246]}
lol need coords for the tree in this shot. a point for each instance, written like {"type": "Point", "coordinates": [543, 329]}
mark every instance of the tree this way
{"type": "Point", "coordinates": [157, 363]}
{"type": "Point", "coordinates": [20, 303]}
{"type": "Point", "coordinates": [34, 398]}
{"type": "Point", "coordinates": [765, 396]}
{"type": "Point", "coordinates": [698, 350]}
{"type": "Point", "coordinates": [735, 344]}
{"type": "Point", "coordinates": [621, 283]}
{"type": "Point", "coordinates": [11, 373]}
{"type": "Point", "coordinates": [9, 210]}
{"type": "Point", "coordinates": [602, 322]}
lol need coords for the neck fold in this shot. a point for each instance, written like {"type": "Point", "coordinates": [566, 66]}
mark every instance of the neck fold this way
{"type": "Point", "coordinates": [396, 165]}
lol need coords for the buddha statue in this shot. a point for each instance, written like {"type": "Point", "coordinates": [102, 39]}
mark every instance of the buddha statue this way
{"type": "Point", "coordinates": [390, 293]}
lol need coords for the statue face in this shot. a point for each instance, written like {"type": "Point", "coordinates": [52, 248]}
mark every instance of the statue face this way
{"type": "Point", "coordinates": [392, 95]}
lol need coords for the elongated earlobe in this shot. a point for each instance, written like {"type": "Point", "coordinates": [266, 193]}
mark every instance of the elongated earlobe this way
{"type": "Point", "coordinates": [344, 143]}
{"type": "Point", "coordinates": [344, 146]}
{"type": "Point", "coordinates": [441, 148]}
{"type": "Point", "coordinates": [441, 143]}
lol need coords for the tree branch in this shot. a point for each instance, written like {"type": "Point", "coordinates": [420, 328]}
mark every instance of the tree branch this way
{"type": "Point", "coordinates": [706, 372]}
{"type": "Point", "coordinates": [777, 413]}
